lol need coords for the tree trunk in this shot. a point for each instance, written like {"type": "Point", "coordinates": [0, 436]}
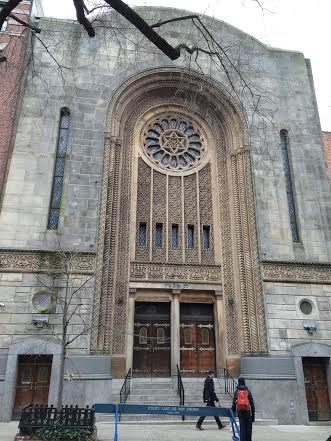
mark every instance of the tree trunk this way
{"type": "Point", "coordinates": [59, 398]}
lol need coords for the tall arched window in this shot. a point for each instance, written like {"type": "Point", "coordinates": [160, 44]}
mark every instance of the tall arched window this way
{"type": "Point", "coordinates": [289, 185]}
{"type": "Point", "coordinates": [61, 150]}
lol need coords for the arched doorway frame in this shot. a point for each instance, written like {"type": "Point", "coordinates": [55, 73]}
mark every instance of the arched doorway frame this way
{"type": "Point", "coordinates": [245, 325]}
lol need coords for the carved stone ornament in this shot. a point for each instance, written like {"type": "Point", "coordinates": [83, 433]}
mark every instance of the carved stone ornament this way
{"type": "Point", "coordinates": [43, 261]}
{"type": "Point", "coordinates": [296, 272]}
{"type": "Point", "coordinates": [173, 142]}
{"type": "Point", "coordinates": [150, 271]}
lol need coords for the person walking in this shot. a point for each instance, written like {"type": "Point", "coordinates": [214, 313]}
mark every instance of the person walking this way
{"type": "Point", "coordinates": [209, 397]}
{"type": "Point", "coordinates": [243, 405]}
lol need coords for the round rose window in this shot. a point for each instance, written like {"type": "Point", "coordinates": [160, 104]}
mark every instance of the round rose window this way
{"type": "Point", "coordinates": [173, 143]}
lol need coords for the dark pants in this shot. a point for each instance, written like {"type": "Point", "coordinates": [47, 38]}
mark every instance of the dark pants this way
{"type": "Point", "coordinates": [245, 423]}
{"type": "Point", "coordinates": [218, 421]}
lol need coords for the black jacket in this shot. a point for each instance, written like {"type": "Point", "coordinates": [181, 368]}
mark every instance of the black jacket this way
{"type": "Point", "coordinates": [250, 399]}
{"type": "Point", "coordinates": [209, 391]}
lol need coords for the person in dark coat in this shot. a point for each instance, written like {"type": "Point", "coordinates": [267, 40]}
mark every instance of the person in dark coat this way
{"type": "Point", "coordinates": [246, 417]}
{"type": "Point", "coordinates": [209, 397]}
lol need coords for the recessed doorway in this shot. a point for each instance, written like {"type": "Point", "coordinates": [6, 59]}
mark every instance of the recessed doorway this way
{"type": "Point", "coordinates": [316, 385]}
{"type": "Point", "coordinates": [197, 339]}
{"type": "Point", "coordinates": [32, 384]}
{"type": "Point", "coordinates": [151, 350]}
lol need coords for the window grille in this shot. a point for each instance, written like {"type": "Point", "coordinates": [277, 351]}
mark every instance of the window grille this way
{"type": "Point", "coordinates": [142, 234]}
{"type": "Point", "coordinates": [205, 336]}
{"type": "Point", "coordinates": [187, 336]}
{"type": "Point", "coordinates": [158, 235]}
{"type": "Point", "coordinates": [143, 336]}
{"type": "Point", "coordinates": [55, 205]}
{"type": "Point", "coordinates": [174, 236]}
{"type": "Point", "coordinates": [190, 236]}
{"type": "Point", "coordinates": [160, 336]}
{"type": "Point", "coordinates": [206, 236]}
{"type": "Point", "coordinates": [289, 186]}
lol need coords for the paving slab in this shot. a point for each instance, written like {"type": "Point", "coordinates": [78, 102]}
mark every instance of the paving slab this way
{"type": "Point", "coordinates": [152, 432]}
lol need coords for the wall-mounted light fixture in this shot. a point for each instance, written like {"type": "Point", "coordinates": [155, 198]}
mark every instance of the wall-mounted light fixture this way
{"type": "Point", "coordinates": [310, 326]}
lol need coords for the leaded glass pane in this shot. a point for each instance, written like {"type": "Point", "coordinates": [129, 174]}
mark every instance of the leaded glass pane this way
{"type": "Point", "coordinates": [142, 234]}
{"type": "Point", "coordinates": [174, 236]}
{"type": "Point", "coordinates": [289, 186]}
{"type": "Point", "coordinates": [53, 219]}
{"type": "Point", "coordinates": [64, 124]}
{"type": "Point", "coordinates": [59, 167]}
{"type": "Point", "coordinates": [190, 236]}
{"type": "Point", "coordinates": [56, 193]}
{"type": "Point", "coordinates": [158, 236]}
{"type": "Point", "coordinates": [206, 237]}
{"type": "Point", "coordinates": [62, 144]}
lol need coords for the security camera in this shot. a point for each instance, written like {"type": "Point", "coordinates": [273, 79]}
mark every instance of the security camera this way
{"type": "Point", "coordinates": [310, 326]}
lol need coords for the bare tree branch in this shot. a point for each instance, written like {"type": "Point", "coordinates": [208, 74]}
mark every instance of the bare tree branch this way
{"type": "Point", "coordinates": [24, 23]}
{"type": "Point", "coordinates": [7, 9]}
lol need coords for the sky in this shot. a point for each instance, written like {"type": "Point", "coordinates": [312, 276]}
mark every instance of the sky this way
{"type": "Point", "coordinates": [302, 25]}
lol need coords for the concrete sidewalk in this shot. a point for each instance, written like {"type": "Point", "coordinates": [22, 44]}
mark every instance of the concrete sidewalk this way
{"type": "Point", "coordinates": [150, 432]}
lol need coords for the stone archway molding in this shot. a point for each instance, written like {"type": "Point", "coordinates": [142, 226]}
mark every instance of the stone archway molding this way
{"type": "Point", "coordinates": [28, 347]}
{"type": "Point", "coordinates": [243, 297]}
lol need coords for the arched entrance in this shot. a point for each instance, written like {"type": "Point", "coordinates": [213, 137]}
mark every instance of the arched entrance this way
{"type": "Point", "coordinates": [154, 120]}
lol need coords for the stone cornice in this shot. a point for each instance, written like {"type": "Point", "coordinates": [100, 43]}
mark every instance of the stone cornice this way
{"type": "Point", "coordinates": [39, 261]}
{"type": "Point", "coordinates": [296, 272]}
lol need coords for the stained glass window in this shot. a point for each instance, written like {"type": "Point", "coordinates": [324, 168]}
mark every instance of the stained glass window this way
{"type": "Point", "coordinates": [142, 234]}
{"type": "Point", "coordinates": [54, 210]}
{"type": "Point", "coordinates": [174, 236]}
{"type": "Point", "coordinates": [190, 236]}
{"type": "Point", "coordinates": [158, 235]}
{"type": "Point", "coordinates": [289, 186]}
{"type": "Point", "coordinates": [206, 236]}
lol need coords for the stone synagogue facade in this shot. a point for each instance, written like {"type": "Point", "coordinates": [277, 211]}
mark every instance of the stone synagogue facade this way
{"type": "Point", "coordinates": [198, 218]}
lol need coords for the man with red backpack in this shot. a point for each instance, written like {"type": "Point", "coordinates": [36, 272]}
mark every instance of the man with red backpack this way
{"type": "Point", "coordinates": [243, 405]}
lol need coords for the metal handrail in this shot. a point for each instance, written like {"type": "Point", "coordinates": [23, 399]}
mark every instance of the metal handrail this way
{"type": "Point", "coordinates": [180, 390]}
{"type": "Point", "coordinates": [230, 384]}
{"type": "Point", "coordinates": [125, 389]}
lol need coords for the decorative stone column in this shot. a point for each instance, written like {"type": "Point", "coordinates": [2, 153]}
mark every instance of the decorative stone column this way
{"type": "Point", "coordinates": [219, 331]}
{"type": "Point", "coordinates": [175, 332]}
{"type": "Point", "coordinates": [130, 329]}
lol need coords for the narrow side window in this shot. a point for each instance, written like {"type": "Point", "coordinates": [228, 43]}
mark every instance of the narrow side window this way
{"type": "Point", "coordinates": [142, 234]}
{"type": "Point", "coordinates": [289, 185]}
{"type": "Point", "coordinates": [206, 236]}
{"type": "Point", "coordinates": [61, 150]}
{"type": "Point", "coordinates": [174, 236]}
{"type": "Point", "coordinates": [158, 235]}
{"type": "Point", "coordinates": [190, 236]}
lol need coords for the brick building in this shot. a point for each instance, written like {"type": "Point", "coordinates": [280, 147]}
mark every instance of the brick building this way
{"type": "Point", "coordinates": [202, 225]}
{"type": "Point", "coordinates": [14, 39]}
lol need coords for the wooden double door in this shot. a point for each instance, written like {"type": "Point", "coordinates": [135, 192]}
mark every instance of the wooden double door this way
{"type": "Point", "coordinates": [32, 384]}
{"type": "Point", "coordinates": [197, 339]}
{"type": "Point", "coordinates": [316, 384]}
{"type": "Point", "coordinates": [152, 344]}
